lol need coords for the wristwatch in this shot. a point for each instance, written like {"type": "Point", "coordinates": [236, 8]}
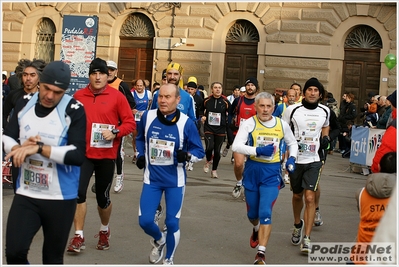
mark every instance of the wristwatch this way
{"type": "Point", "coordinates": [115, 131]}
{"type": "Point", "coordinates": [40, 144]}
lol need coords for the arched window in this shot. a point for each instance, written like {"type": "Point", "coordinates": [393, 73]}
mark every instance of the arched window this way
{"type": "Point", "coordinates": [242, 31]}
{"type": "Point", "coordinates": [137, 25]}
{"type": "Point", "coordinates": [363, 37]}
{"type": "Point", "coordinates": [44, 47]}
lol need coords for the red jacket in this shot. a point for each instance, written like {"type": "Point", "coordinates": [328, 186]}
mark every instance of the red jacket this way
{"type": "Point", "coordinates": [108, 107]}
{"type": "Point", "coordinates": [388, 144]}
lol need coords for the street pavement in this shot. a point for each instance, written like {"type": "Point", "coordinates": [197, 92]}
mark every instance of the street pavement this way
{"type": "Point", "coordinates": [214, 227]}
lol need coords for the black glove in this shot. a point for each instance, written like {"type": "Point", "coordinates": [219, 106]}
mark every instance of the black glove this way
{"type": "Point", "coordinates": [325, 142]}
{"type": "Point", "coordinates": [140, 162]}
{"type": "Point", "coordinates": [182, 156]}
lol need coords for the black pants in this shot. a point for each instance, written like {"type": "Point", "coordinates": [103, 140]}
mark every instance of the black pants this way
{"type": "Point", "coordinates": [25, 218]}
{"type": "Point", "coordinates": [213, 145]}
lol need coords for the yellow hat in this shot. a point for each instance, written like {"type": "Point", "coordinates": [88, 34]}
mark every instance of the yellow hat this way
{"type": "Point", "coordinates": [192, 79]}
{"type": "Point", "coordinates": [175, 66]}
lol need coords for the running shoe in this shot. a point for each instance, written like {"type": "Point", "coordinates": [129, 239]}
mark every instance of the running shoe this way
{"type": "Point", "coordinates": [305, 246]}
{"type": "Point", "coordinates": [259, 258]}
{"type": "Point", "coordinates": [167, 262]}
{"type": "Point", "coordinates": [318, 221]}
{"type": "Point", "coordinates": [225, 152]}
{"type": "Point", "coordinates": [286, 179]}
{"type": "Point", "coordinates": [156, 252]}
{"type": "Point", "coordinates": [206, 166]}
{"type": "Point", "coordinates": [76, 244]}
{"type": "Point", "coordinates": [93, 188]}
{"type": "Point", "coordinates": [189, 166]}
{"type": "Point", "coordinates": [158, 214]}
{"type": "Point", "coordinates": [253, 241]}
{"type": "Point", "coordinates": [214, 174]}
{"type": "Point", "coordinates": [297, 234]}
{"type": "Point", "coordinates": [119, 183]}
{"type": "Point", "coordinates": [103, 239]}
{"type": "Point", "coordinates": [237, 191]}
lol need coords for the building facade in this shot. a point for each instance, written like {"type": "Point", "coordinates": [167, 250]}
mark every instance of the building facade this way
{"type": "Point", "coordinates": [342, 44]}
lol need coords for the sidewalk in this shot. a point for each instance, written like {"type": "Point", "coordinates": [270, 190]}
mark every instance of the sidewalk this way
{"type": "Point", "coordinates": [214, 226]}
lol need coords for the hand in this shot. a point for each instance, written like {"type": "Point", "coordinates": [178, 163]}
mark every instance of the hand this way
{"type": "Point", "coordinates": [181, 156]}
{"type": "Point", "coordinates": [140, 162]}
{"type": "Point", "coordinates": [325, 142]}
{"type": "Point", "coordinates": [265, 150]}
{"type": "Point", "coordinates": [290, 165]}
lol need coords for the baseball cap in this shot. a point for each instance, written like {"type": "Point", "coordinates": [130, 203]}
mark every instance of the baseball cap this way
{"type": "Point", "coordinates": [112, 65]}
{"type": "Point", "coordinates": [56, 73]}
{"type": "Point", "coordinates": [242, 89]}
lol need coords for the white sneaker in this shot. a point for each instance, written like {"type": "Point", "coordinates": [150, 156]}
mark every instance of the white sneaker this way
{"type": "Point", "coordinates": [225, 152]}
{"type": "Point", "coordinates": [238, 189]}
{"type": "Point", "coordinates": [119, 183]}
{"type": "Point", "coordinates": [214, 174]}
{"type": "Point", "coordinates": [189, 166]}
{"type": "Point", "coordinates": [286, 179]}
{"type": "Point", "coordinates": [167, 262]}
{"type": "Point", "coordinates": [206, 166]}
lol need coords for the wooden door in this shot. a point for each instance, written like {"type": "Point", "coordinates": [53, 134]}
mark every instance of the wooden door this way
{"type": "Point", "coordinates": [241, 62]}
{"type": "Point", "coordinates": [135, 60]}
{"type": "Point", "coordinates": [361, 75]}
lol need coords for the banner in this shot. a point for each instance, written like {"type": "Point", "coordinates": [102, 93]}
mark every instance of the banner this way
{"type": "Point", "coordinates": [365, 142]}
{"type": "Point", "coordinates": [78, 48]}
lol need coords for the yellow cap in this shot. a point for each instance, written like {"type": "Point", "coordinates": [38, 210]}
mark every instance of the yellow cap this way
{"type": "Point", "coordinates": [192, 79]}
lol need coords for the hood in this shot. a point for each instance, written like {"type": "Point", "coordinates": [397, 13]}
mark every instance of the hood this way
{"type": "Point", "coordinates": [380, 185]}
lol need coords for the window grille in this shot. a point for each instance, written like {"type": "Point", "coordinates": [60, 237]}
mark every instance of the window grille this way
{"type": "Point", "coordinates": [137, 25]}
{"type": "Point", "coordinates": [242, 31]}
{"type": "Point", "coordinates": [44, 47]}
{"type": "Point", "coordinates": [363, 37]}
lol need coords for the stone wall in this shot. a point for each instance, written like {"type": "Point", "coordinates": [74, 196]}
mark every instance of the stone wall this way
{"type": "Point", "coordinates": [298, 40]}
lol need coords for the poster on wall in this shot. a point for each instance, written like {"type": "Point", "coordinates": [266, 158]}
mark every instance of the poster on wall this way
{"type": "Point", "coordinates": [78, 48]}
{"type": "Point", "coordinates": [365, 142]}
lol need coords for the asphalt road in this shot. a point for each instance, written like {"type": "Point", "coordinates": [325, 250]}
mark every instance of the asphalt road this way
{"type": "Point", "coordinates": [214, 227]}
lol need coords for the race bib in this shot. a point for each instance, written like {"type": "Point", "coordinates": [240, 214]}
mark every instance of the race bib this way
{"type": "Point", "coordinates": [214, 118]}
{"type": "Point", "coordinates": [307, 147]}
{"type": "Point", "coordinates": [262, 141]}
{"type": "Point", "coordinates": [37, 175]}
{"type": "Point", "coordinates": [161, 152]}
{"type": "Point", "coordinates": [137, 116]}
{"type": "Point", "coordinates": [97, 138]}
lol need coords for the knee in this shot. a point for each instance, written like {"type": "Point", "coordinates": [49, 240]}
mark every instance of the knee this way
{"type": "Point", "coordinates": [172, 224]}
{"type": "Point", "coordinates": [16, 257]}
{"type": "Point", "coordinates": [297, 197]}
{"type": "Point", "coordinates": [145, 221]}
{"type": "Point", "coordinates": [309, 199]}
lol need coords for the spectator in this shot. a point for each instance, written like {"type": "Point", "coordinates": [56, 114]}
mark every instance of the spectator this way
{"type": "Point", "coordinates": [389, 139]}
{"type": "Point", "coordinates": [372, 200]}
{"type": "Point", "coordinates": [381, 105]}
{"type": "Point", "coordinates": [15, 79]}
{"type": "Point", "coordinates": [371, 116]}
{"type": "Point", "coordinates": [383, 120]}
{"type": "Point", "coordinates": [347, 113]}
{"type": "Point", "coordinates": [234, 94]}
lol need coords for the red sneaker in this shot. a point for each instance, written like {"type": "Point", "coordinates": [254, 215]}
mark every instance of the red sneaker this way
{"type": "Point", "coordinates": [103, 243]}
{"type": "Point", "coordinates": [253, 241]}
{"type": "Point", "coordinates": [76, 244]}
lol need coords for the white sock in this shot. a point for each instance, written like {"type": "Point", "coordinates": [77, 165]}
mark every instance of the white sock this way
{"type": "Point", "coordinates": [104, 228]}
{"type": "Point", "coordinates": [239, 183]}
{"type": "Point", "coordinates": [262, 249]}
{"type": "Point", "coordinates": [256, 227]}
{"type": "Point", "coordinates": [79, 232]}
{"type": "Point", "coordinates": [162, 240]}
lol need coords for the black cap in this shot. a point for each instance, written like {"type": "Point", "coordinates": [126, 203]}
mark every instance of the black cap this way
{"type": "Point", "coordinates": [314, 82]}
{"type": "Point", "coordinates": [201, 87]}
{"type": "Point", "coordinates": [252, 80]}
{"type": "Point", "coordinates": [56, 73]}
{"type": "Point", "coordinates": [98, 64]}
{"type": "Point", "coordinates": [392, 99]}
{"type": "Point", "coordinates": [192, 85]}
